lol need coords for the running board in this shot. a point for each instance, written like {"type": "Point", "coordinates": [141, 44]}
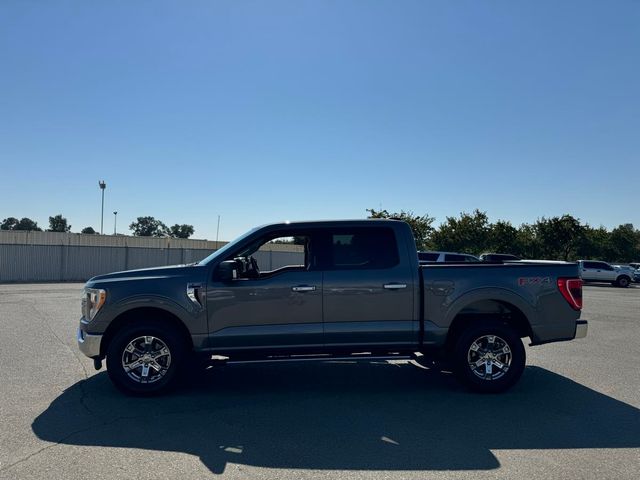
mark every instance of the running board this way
{"type": "Point", "coordinates": [217, 359]}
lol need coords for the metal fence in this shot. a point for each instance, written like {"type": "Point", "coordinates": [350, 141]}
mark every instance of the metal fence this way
{"type": "Point", "coordinates": [31, 261]}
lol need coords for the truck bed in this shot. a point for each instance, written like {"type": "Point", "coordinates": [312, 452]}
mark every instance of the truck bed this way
{"type": "Point", "coordinates": [521, 289]}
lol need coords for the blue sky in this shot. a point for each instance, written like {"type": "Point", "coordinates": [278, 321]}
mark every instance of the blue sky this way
{"type": "Point", "coordinates": [262, 111]}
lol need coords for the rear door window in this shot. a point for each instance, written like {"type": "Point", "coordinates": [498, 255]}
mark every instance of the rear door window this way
{"type": "Point", "coordinates": [362, 249]}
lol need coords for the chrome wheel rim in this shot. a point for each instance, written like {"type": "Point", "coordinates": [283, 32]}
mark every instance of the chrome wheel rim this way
{"type": "Point", "coordinates": [146, 359]}
{"type": "Point", "coordinates": [489, 357]}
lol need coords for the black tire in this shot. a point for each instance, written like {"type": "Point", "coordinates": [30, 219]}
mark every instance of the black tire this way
{"type": "Point", "coordinates": [482, 380]}
{"type": "Point", "coordinates": [162, 336]}
{"type": "Point", "coordinates": [623, 281]}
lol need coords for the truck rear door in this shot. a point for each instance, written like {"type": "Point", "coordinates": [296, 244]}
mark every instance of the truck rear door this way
{"type": "Point", "coordinates": [368, 288]}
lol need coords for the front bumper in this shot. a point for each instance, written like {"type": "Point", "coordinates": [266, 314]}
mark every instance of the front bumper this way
{"type": "Point", "coordinates": [581, 329]}
{"type": "Point", "coordinates": [89, 344]}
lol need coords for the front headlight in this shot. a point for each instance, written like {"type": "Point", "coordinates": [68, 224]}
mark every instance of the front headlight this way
{"type": "Point", "coordinates": [92, 301]}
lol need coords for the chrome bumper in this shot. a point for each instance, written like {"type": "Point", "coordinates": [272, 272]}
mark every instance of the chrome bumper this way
{"type": "Point", "coordinates": [89, 344]}
{"type": "Point", "coordinates": [581, 328]}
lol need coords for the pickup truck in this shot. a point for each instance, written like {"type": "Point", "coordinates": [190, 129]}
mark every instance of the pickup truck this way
{"type": "Point", "coordinates": [596, 271]}
{"type": "Point", "coordinates": [356, 291]}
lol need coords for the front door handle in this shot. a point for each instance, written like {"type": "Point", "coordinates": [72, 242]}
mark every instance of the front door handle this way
{"type": "Point", "coordinates": [304, 288]}
{"type": "Point", "coordinates": [395, 286]}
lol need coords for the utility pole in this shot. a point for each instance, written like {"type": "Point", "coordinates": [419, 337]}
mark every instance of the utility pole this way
{"type": "Point", "coordinates": [102, 185]}
{"type": "Point", "coordinates": [115, 222]}
{"type": "Point", "coordinates": [217, 232]}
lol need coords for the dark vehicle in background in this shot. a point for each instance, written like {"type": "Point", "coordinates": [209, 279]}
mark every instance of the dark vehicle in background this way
{"type": "Point", "coordinates": [498, 257]}
{"type": "Point", "coordinates": [356, 291]}
{"type": "Point", "coordinates": [446, 257]}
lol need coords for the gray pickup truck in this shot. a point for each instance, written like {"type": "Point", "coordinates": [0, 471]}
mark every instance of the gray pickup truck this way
{"type": "Point", "coordinates": [354, 290]}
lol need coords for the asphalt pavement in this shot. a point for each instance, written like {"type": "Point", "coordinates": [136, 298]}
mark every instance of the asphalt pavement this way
{"type": "Point", "coordinates": [574, 414]}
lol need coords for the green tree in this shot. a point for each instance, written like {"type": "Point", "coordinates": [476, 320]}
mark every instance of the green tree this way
{"type": "Point", "coordinates": [27, 224]}
{"type": "Point", "coordinates": [148, 227]}
{"type": "Point", "coordinates": [624, 243]}
{"type": "Point", "coordinates": [421, 225]}
{"type": "Point", "coordinates": [181, 231]}
{"type": "Point", "coordinates": [502, 237]}
{"type": "Point", "coordinates": [9, 223]}
{"type": "Point", "coordinates": [469, 233]}
{"type": "Point", "coordinates": [559, 237]}
{"type": "Point", "coordinates": [24, 223]}
{"type": "Point", "coordinates": [88, 230]}
{"type": "Point", "coordinates": [594, 244]}
{"type": "Point", "coordinates": [58, 224]}
{"type": "Point", "coordinates": [528, 243]}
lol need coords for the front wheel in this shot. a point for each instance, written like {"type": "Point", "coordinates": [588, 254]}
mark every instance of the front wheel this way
{"type": "Point", "coordinates": [489, 357]}
{"type": "Point", "coordinates": [623, 281]}
{"type": "Point", "coordinates": [143, 358]}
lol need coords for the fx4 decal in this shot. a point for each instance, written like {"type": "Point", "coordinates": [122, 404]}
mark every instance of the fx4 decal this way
{"type": "Point", "coordinates": [522, 281]}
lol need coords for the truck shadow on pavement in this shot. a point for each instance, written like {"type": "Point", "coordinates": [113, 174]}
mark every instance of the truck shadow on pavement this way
{"type": "Point", "coordinates": [343, 416]}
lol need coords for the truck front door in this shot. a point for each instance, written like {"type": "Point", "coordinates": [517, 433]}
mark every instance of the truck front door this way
{"type": "Point", "coordinates": [277, 306]}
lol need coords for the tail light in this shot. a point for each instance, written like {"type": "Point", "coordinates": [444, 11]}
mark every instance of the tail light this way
{"type": "Point", "coordinates": [571, 290]}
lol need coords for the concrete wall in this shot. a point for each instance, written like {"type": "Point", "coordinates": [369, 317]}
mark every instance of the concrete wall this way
{"type": "Point", "coordinates": [63, 257]}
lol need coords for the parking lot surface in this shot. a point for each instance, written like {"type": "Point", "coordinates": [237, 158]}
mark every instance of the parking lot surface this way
{"type": "Point", "coordinates": [574, 414]}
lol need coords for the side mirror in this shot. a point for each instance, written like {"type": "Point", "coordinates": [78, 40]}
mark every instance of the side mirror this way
{"type": "Point", "coordinates": [227, 271]}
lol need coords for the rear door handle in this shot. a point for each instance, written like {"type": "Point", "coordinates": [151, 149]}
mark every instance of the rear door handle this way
{"type": "Point", "coordinates": [395, 286]}
{"type": "Point", "coordinates": [303, 288]}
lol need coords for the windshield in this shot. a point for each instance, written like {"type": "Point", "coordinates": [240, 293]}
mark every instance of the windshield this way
{"type": "Point", "coordinates": [221, 252]}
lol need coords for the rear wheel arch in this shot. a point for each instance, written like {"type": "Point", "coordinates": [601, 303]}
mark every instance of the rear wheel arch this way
{"type": "Point", "coordinates": [487, 310]}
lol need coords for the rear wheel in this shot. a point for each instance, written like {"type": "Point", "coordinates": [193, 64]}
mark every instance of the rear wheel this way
{"type": "Point", "coordinates": [144, 357]}
{"type": "Point", "coordinates": [489, 357]}
{"type": "Point", "coordinates": [623, 281]}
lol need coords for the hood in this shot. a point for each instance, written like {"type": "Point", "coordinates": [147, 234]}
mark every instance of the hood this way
{"type": "Point", "coordinates": [146, 273]}
{"type": "Point", "coordinates": [623, 267]}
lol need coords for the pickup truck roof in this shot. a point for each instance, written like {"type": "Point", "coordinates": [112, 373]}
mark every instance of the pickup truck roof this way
{"type": "Point", "coordinates": [329, 223]}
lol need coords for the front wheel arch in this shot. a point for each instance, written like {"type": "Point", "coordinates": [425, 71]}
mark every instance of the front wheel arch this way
{"type": "Point", "coordinates": [144, 313]}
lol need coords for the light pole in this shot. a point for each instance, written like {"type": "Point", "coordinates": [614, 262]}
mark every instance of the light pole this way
{"type": "Point", "coordinates": [102, 185]}
{"type": "Point", "coordinates": [217, 232]}
{"type": "Point", "coordinates": [115, 221]}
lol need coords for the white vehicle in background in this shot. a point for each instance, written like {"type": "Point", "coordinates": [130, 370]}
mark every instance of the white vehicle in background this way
{"type": "Point", "coordinates": [446, 257]}
{"type": "Point", "coordinates": [636, 273]}
{"type": "Point", "coordinates": [596, 271]}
